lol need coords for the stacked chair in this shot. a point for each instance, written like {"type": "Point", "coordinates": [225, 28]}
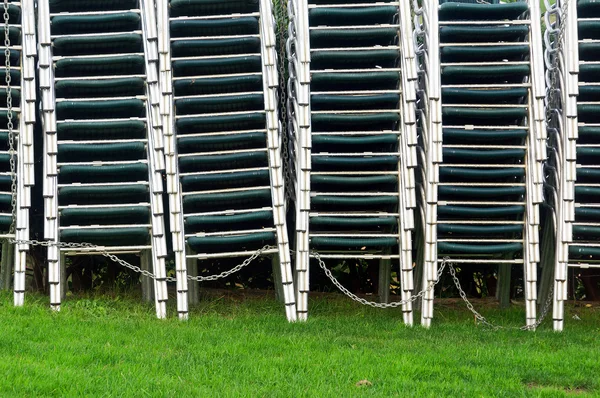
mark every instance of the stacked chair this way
{"type": "Point", "coordinates": [353, 138]}
{"type": "Point", "coordinates": [482, 93]}
{"type": "Point", "coordinates": [218, 68]}
{"type": "Point", "coordinates": [574, 163]}
{"type": "Point", "coordinates": [14, 223]}
{"type": "Point", "coordinates": [102, 135]}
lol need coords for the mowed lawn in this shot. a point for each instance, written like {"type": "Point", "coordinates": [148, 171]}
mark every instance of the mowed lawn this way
{"type": "Point", "coordinates": [242, 346]}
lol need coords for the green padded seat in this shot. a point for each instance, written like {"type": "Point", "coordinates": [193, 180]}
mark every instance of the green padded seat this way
{"type": "Point", "coordinates": [586, 230]}
{"type": "Point", "coordinates": [589, 132]}
{"type": "Point", "coordinates": [589, 51]}
{"type": "Point", "coordinates": [370, 121]}
{"type": "Point", "coordinates": [483, 53]}
{"type": "Point", "coordinates": [101, 109]}
{"type": "Point", "coordinates": [226, 161]}
{"type": "Point", "coordinates": [484, 135]}
{"type": "Point", "coordinates": [588, 173]}
{"type": "Point", "coordinates": [14, 33]}
{"type": "Point", "coordinates": [107, 152]}
{"type": "Point", "coordinates": [227, 198]}
{"type": "Point", "coordinates": [354, 59]}
{"type": "Point", "coordinates": [479, 192]}
{"type": "Point", "coordinates": [487, 96]}
{"type": "Point", "coordinates": [210, 124]}
{"type": "Point", "coordinates": [352, 243]}
{"type": "Point", "coordinates": [104, 194]}
{"type": "Point", "coordinates": [105, 173]}
{"type": "Point", "coordinates": [479, 229]}
{"type": "Point", "coordinates": [240, 242]}
{"type": "Point", "coordinates": [351, 16]}
{"type": "Point", "coordinates": [457, 34]}
{"type": "Point", "coordinates": [487, 248]}
{"type": "Point", "coordinates": [483, 173]}
{"type": "Point", "coordinates": [182, 8]}
{"type": "Point", "coordinates": [584, 251]}
{"type": "Point", "coordinates": [471, 211]}
{"type": "Point", "coordinates": [353, 102]}
{"type": "Point", "coordinates": [588, 191]}
{"type": "Point", "coordinates": [217, 66]}
{"type": "Point", "coordinates": [486, 155]}
{"type": "Point", "coordinates": [105, 216]}
{"type": "Point", "coordinates": [5, 181]}
{"type": "Point", "coordinates": [15, 56]}
{"type": "Point", "coordinates": [354, 162]}
{"type": "Point", "coordinates": [95, 45]}
{"type": "Point", "coordinates": [511, 73]}
{"type": "Point", "coordinates": [589, 8]}
{"type": "Point", "coordinates": [354, 200]}
{"type": "Point", "coordinates": [453, 11]}
{"type": "Point", "coordinates": [214, 27]}
{"type": "Point", "coordinates": [201, 47]}
{"type": "Point", "coordinates": [227, 220]}
{"type": "Point", "coordinates": [588, 113]}
{"type": "Point", "coordinates": [361, 140]}
{"type": "Point", "coordinates": [129, 86]}
{"type": "Point", "coordinates": [232, 103]}
{"type": "Point", "coordinates": [587, 152]}
{"type": "Point", "coordinates": [218, 85]}
{"type": "Point", "coordinates": [353, 81]}
{"type": "Point", "coordinates": [221, 142]}
{"type": "Point", "coordinates": [225, 180]}
{"type": "Point", "coordinates": [587, 213]}
{"type": "Point", "coordinates": [98, 23]}
{"type": "Point", "coordinates": [589, 73]}
{"type": "Point", "coordinates": [5, 223]}
{"type": "Point", "coordinates": [129, 129]}
{"type": "Point", "coordinates": [353, 181]}
{"type": "Point", "coordinates": [14, 14]}
{"type": "Point", "coordinates": [5, 200]}
{"type": "Point", "coordinates": [4, 118]}
{"type": "Point", "coordinates": [15, 75]}
{"type": "Point", "coordinates": [135, 236]}
{"type": "Point", "coordinates": [588, 29]}
{"type": "Point", "coordinates": [588, 93]}
{"type": "Point", "coordinates": [486, 115]}
{"type": "Point", "coordinates": [356, 222]}
{"type": "Point", "coordinates": [104, 66]}
{"type": "Point", "coordinates": [351, 37]}
{"type": "Point", "coordinates": [91, 5]}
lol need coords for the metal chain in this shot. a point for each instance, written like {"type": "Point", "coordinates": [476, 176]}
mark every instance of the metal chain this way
{"type": "Point", "coordinates": [9, 116]}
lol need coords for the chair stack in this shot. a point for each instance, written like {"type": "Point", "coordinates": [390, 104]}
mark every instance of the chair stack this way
{"type": "Point", "coordinates": [483, 162]}
{"type": "Point", "coordinates": [22, 86]}
{"type": "Point", "coordinates": [353, 128]}
{"type": "Point", "coordinates": [224, 168]}
{"type": "Point", "coordinates": [102, 146]}
{"type": "Point", "coordinates": [576, 146]}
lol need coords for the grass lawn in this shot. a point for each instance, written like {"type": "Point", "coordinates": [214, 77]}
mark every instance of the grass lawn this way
{"type": "Point", "coordinates": [242, 346]}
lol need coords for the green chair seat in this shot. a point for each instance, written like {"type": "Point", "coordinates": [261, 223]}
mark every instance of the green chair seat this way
{"type": "Point", "coordinates": [483, 53]}
{"type": "Point", "coordinates": [589, 51]}
{"type": "Point", "coordinates": [361, 140]}
{"type": "Point", "coordinates": [217, 66]}
{"type": "Point", "coordinates": [227, 220]}
{"type": "Point", "coordinates": [181, 8]}
{"type": "Point", "coordinates": [586, 213]}
{"type": "Point", "coordinates": [221, 142]}
{"type": "Point", "coordinates": [588, 173]}
{"type": "Point", "coordinates": [353, 181]}
{"type": "Point", "coordinates": [227, 198]}
{"type": "Point", "coordinates": [472, 211]}
{"type": "Point", "coordinates": [588, 29]}
{"type": "Point", "coordinates": [351, 16]}
{"type": "Point", "coordinates": [106, 152]}
{"type": "Point", "coordinates": [330, 122]}
{"type": "Point", "coordinates": [226, 161]}
{"type": "Point", "coordinates": [588, 93]}
{"type": "Point", "coordinates": [487, 96]}
{"type": "Point", "coordinates": [5, 223]}
{"type": "Point", "coordinates": [5, 200]}
{"type": "Point", "coordinates": [218, 181]}
{"type": "Point", "coordinates": [485, 72]}
{"type": "Point", "coordinates": [100, 131]}
{"type": "Point", "coordinates": [97, 23]}
{"type": "Point", "coordinates": [354, 81]}
{"type": "Point", "coordinates": [101, 109]}
{"type": "Point", "coordinates": [15, 57]}
{"type": "Point", "coordinates": [354, 200]}
{"type": "Point", "coordinates": [354, 59]}
{"type": "Point", "coordinates": [587, 191]}
{"type": "Point", "coordinates": [587, 152]}
{"type": "Point", "coordinates": [584, 251]}
{"type": "Point", "coordinates": [14, 13]}
{"type": "Point", "coordinates": [484, 135]}
{"type": "Point", "coordinates": [485, 113]}
{"type": "Point", "coordinates": [106, 173]}
{"type": "Point", "coordinates": [588, 113]}
{"type": "Point", "coordinates": [130, 86]}
{"type": "Point", "coordinates": [134, 236]}
{"type": "Point", "coordinates": [218, 85]}
{"type": "Point", "coordinates": [486, 173]}
{"type": "Point", "coordinates": [201, 47]}
{"type": "Point", "coordinates": [15, 76]}
{"type": "Point", "coordinates": [228, 103]}
{"type": "Point", "coordinates": [351, 37]}
{"type": "Point", "coordinates": [483, 154]}
{"type": "Point", "coordinates": [463, 12]}
{"type": "Point", "coordinates": [105, 216]}
{"type": "Point", "coordinates": [480, 192]}
{"type": "Point", "coordinates": [231, 243]}
{"type": "Point", "coordinates": [214, 27]}
{"type": "Point", "coordinates": [343, 102]}
{"type": "Point", "coordinates": [586, 230]}
{"type": "Point", "coordinates": [589, 132]}
{"type": "Point", "coordinates": [451, 247]}
{"type": "Point", "coordinates": [589, 73]}
{"type": "Point", "coordinates": [102, 66]}
{"type": "Point", "coordinates": [479, 229]}
{"type": "Point", "coordinates": [91, 5]}
{"type": "Point", "coordinates": [209, 124]}
{"type": "Point", "coordinates": [352, 243]}
{"type": "Point", "coordinates": [589, 8]}
{"type": "Point", "coordinates": [95, 45]}
{"type": "Point", "coordinates": [354, 161]}
{"type": "Point", "coordinates": [104, 194]}
{"type": "Point", "coordinates": [457, 34]}
{"type": "Point", "coordinates": [356, 222]}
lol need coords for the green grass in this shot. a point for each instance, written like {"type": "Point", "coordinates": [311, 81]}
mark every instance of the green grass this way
{"type": "Point", "coordinates": [242, 346]}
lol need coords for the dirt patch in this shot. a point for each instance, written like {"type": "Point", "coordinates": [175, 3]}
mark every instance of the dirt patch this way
{"type": "Point", "coordinates": [567, 390]}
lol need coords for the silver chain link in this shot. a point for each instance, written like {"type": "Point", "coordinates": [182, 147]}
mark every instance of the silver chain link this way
{"type": "Point", "coordinates": [9, 116]}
